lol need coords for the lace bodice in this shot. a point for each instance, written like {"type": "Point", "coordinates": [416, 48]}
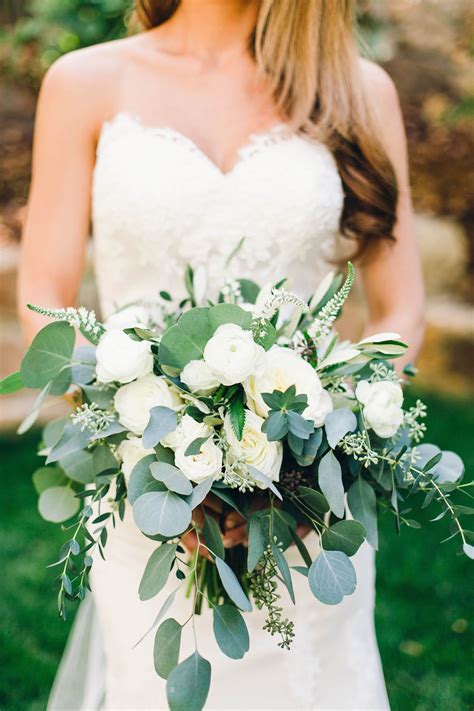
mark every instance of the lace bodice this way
{"type": "Point", "coordinates": [159, 203]}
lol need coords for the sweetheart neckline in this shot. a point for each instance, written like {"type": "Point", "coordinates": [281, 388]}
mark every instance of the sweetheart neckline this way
{"type": "Point", "coordinates": [277, 133]}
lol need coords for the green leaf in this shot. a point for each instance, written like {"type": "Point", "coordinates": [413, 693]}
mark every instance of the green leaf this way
{"type": "Point", "coordinates": [232, 586]}
{"type": "Point", "coordinates": [256, 544]}
{"type": "Point", "coordinates": [230, 631]}
{"type": "Point", "coordinates": [345, 536]}
{"type": "Point", "coordinates": [102, 396]}
{"type": "Point", "coordinates": [314, 499]}
{"type": "Point", "coordinates": [213, 537]}
{"type": "Point", "coordinates": [262, 478]}
{"type": "Point", "coordinates": [330, 482]}
{"type": "Point", "coordinates": [166, 647]}
{"type": "Point", "coordinates": [49, 355]}
{"type": "Point", "coordinates": [282, 523]}
{"type": "Point", "coordinates": [468, 550]}
{"type": "Point", "coordinates": [249, 290]}
{"type": "Point", "coordinates": [188, 684]}
{"type": "Point", "coordinates": [301, 548]}
{"type": "Point", "coordinates": [199, 492]}
{"type": "Point", "coordinates": [275, 426]}
{"type": "Point", "coordinates": [84, 373]}
{"type": "Point", "coordinates": [185, 340]}
{"type": "Point", "coordinates": [284, 570]}
{"type": "Point", "coordinates": [338, 423]}
{"type": "Point", "coordinates": [58, 504]}
{"type": "Point", "coordinates": [229, 313]}
{"type": "Point", "coordinates": [331, 577]}
{"type": "Point", "coordinates": [267, 335]}
{"type": "Point", "coordinates": [172, 477]}
{"type": "Point", "coordinates": [72, 440]}
{"type": "Point", "coordinates": [103, 460]}
{"type": "Point", "coordinates": [431, 463]}
{"type": "Point", "coordinates": [53, 431]}
{"type": "Point", "coordinates": [298, 426]}
{"type": "Point", "coordinates": [161, 512]}
{"type": "Point", "coordinates": [46, 477]}
{"type": "Point", "coordinates": [237, 414]}
{"type": "Point", "coordinates": [157, 571]}
{"type": "Point", "coordinates": [162, 421]}
{"type": "Point", "coordinates": [11, 384]}
{"type": "Point", "coordinates": [310, 448]}
{"type": "Point", "coordinates": [363, 506]}
{"type": "Point", "coordinates": [141, 478]}
{"type": "Point", "coordinates": [78, 466]}
{"type": "Point", "coordinates": [32, 416]}
{"type": "Point", "coordinates": [195, 446]}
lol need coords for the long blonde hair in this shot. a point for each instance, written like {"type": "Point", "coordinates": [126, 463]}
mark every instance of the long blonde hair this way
{"type": "Point", "coordinates": [307, 51]}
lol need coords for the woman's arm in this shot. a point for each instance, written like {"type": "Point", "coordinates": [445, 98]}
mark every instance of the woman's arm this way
{"type": "Point", "coordinates": [57, 226]}
{"type": "Point", "coordinates": [392, 277]}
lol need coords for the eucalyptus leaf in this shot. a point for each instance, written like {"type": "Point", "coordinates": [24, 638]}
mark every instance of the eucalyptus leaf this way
{"type": "Point", "coordinates": [232, 586]}
{"type": "Point", "coordinates": [53, 431]}
{"type": "Point", "coordinates": [103, 460]}
{"type": "Point", "coordinates": [161, 512]}
{"type": "Point", "coordinates": [157, 571]}
{"type": "Point", "coordinates": [264, 480]}
{"type": "Point", "coordinates": [298, 426]}
{"type": "Point", "coordinates": [83, 371]}
{"type": "Point", "coordinates": [468, 550]}
{"type": "Point", "coordinates": [230, 631]}
{"type": "Point", "coordinates": [188, 684]}
{"type": "Point", "coordinates": [331, 577]}
{"type": "Point", "coordinates": [72, 440]}
{"type": "Point", "coordinates": [49, 355]}
{"type": "Point", "coordinates": [275, 426]}
{"type": "Point", "coordinates": [267, 335]}
{"type": "Point", "coordinates": [141, 477]}
{"type": "Point", "coordinates": [162, 421]}
{"type": "Point", "coordinates": [199, 493]}
{"type": "Point", "coordinates": [101, 395]}
{"type": "Point", "coordinates": [78, 466]}
{"type": "Point", "coordinates": [363, 506]}
{"type": "Point", "coordinates": [338, 423]}
{"type": "Point", "coordinates": [314, 499]}
{"type": "Point", "coordinates": [229, 313]}
{"type": "Point", "coordinates": [213, 536]}
{"type": "Point", "coordinates": [58, 504]}
{"type": "Point", "coordinates": [11, 384]}
{"type": "Point", "coordinates": [32, 416]}
{"type": "Point", "coordinates": [166, 647]}
{"type": "Point", "coordinates": [172, 477]}
{"type": "Point", "coordinates": [186, 340]}
{"type": "Point", "coordinates": [345, 536]}
{"type": "Point", "coordinates": [195, 446]}
{"type": "Point", "coordinates": [256, 543]}
{"type": "Point", "coordinates": [330, 482]}
{"type": "Point", "coordinates": [310, 448]}
{"type": "Point", "coordinates": [284, 570]}
{"type": "Point", "coordinates": [46, 477]}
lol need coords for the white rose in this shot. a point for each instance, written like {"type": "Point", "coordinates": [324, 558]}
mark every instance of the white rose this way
{"type": "Point", "coordinates": [254, 447]}
{"type": "Point", "coordinates": [284, 367]}
{"type": "Point", "coordinates": [128, 317]}
{"type": "Point", "coordinates": [198, 467]}
{"type": "Point", "coordinates": [187, 430]}
{"type": "Point", "coordinates": [232, 354]}
{"type": "Point", "coordinates": [382, 403]}
{"type": "Point", "coordinates": [121, 359]}
{"type": "Point", "coordinates": [198, 377]}
{"type": "Point", "coordinates": [131, 450]}
{"type": "Point", "coordinates": [134, 401]}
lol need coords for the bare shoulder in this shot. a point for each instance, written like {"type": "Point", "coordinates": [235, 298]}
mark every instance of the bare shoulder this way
{"type": "Point", "coordinates": [378, 83]}
{"type": "Point", "coordinates": [88, 80]}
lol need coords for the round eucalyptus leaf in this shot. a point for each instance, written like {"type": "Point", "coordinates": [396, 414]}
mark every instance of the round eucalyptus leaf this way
{"type": "Point", "coordinates": [450, 468]}
{"type": "Point", "coordinates": [229, 313]}
{"type": "Point", "coordinates": [338, 423]}
{"type": "Point", "coordinates": [363, 506]}
{"type": "Point", "coordinates": [157, 571]}
{"type": "Point", "coordinates": [141, 477]}
{"type": "Point", "coordinates": [188, 684]}
{"type": "Point", "coordinates": [166, 647]}
{"type": "Point", "coordinates": [172, 477]}
{"type": "Point", "coordinates": [161, 512]}
{"type": "Point", "coordinates": [46, 477]}
{"type": "Point", "coordinates": [78, 466]}
{"type": "Point", "coordinates": [331, 577]}
{"type": "Point", "coordinates": [345, 536]}
{"type": "Point", "coordinates": [314, 499]}
{"type": "Point", "coordinates": [49, 355]}
{"type": "Point", "coordinates": [53, 431]}
{"type": "Point", "coordinates": [58, 504]}
{"type": "Point", "coordinates": [230, 631]}
{"type": "Point", "coordinates": [185, 340]}
{"type": "Point", "coordinates": [330, 482]}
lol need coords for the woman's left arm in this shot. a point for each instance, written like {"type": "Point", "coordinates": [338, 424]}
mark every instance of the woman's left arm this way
{"type": "Point", "coordinates": [392, 276]}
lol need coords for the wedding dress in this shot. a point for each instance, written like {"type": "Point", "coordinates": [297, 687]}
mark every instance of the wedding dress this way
{"type": "Point", "coordinates": [159, 203]}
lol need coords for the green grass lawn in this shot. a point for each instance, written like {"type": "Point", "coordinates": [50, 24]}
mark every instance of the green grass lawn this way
{"type": "Point", "coordinates": [425, 592]}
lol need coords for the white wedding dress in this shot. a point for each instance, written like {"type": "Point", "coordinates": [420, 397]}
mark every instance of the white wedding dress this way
{"type": "Point", "coordinates": [159, 204]}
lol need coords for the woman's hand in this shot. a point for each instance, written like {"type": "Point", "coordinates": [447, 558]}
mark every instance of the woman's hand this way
{"type": "Point", "coordinates": [235, 526]}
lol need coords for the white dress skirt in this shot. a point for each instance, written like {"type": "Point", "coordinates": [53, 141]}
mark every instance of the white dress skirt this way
{"type": "Point", "coordinates": [159, 204]}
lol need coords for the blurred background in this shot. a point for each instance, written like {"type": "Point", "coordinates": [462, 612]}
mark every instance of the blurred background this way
{"type": "Point", "coordinates": [425, 604]}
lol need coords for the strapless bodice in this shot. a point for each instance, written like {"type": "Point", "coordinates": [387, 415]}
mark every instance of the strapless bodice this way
{"type": "Point", "coordinates": [159, 203]}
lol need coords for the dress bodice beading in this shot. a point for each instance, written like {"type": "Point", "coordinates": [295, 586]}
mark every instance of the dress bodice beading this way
{"type": "Point", "coordinates": [159, 203]}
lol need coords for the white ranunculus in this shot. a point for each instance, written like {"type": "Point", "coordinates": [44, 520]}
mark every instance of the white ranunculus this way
{"type": "Point", "coordinates": [198, 467]}
{"type": "Point", "coordinates": [232, 354]}
{"type": "Point", "coordinates": [198, 377]}
{"type": "Point", "coordinates": [131, 450]}
{"type": "Point", "coordinates": [187, 430]}
{"type": "Point", "coordinates": [284, 367]}
{"type": "Point", "coordinates": [382, 403]}
{"type": "Point", "coordinates": [121, 359]}
{"type": "Point", "coordinates": [134, 401]}
{"type": "Point", "coordinates": [254, 447]}
{"type": "Point", "coordinates": [128, 317]}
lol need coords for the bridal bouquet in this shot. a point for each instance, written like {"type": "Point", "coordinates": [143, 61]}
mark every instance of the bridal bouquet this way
{"type": "Point", "coordinates": [272, 416]}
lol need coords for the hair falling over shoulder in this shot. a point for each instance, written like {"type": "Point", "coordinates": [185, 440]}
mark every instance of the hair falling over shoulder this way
{"type": "Point", "coordinates": [308, 53]}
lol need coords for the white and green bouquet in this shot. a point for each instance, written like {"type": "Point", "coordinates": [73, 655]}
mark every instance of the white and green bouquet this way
{"type": "Point", "coordinates": [177, 404]}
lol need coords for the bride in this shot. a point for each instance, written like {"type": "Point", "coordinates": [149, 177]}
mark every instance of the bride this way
{"type": "Point", "coordinates": [221, 119]}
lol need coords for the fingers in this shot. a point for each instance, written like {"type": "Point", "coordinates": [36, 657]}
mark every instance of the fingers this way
{"type": "Point", "coordinates": [236, 535]}
{"type": "Point", "coordinates": [303, 529]}
{"type": "Point", "coordinates": [232, 520]}
{"type": "Point", "coordinates": [213, 503]}
{"type": "Point", "coordinates": [189, 540]}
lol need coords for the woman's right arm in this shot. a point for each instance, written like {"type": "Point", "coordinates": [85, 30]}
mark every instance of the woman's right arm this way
{"type": "Point", "coordinates": [56, 232]}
